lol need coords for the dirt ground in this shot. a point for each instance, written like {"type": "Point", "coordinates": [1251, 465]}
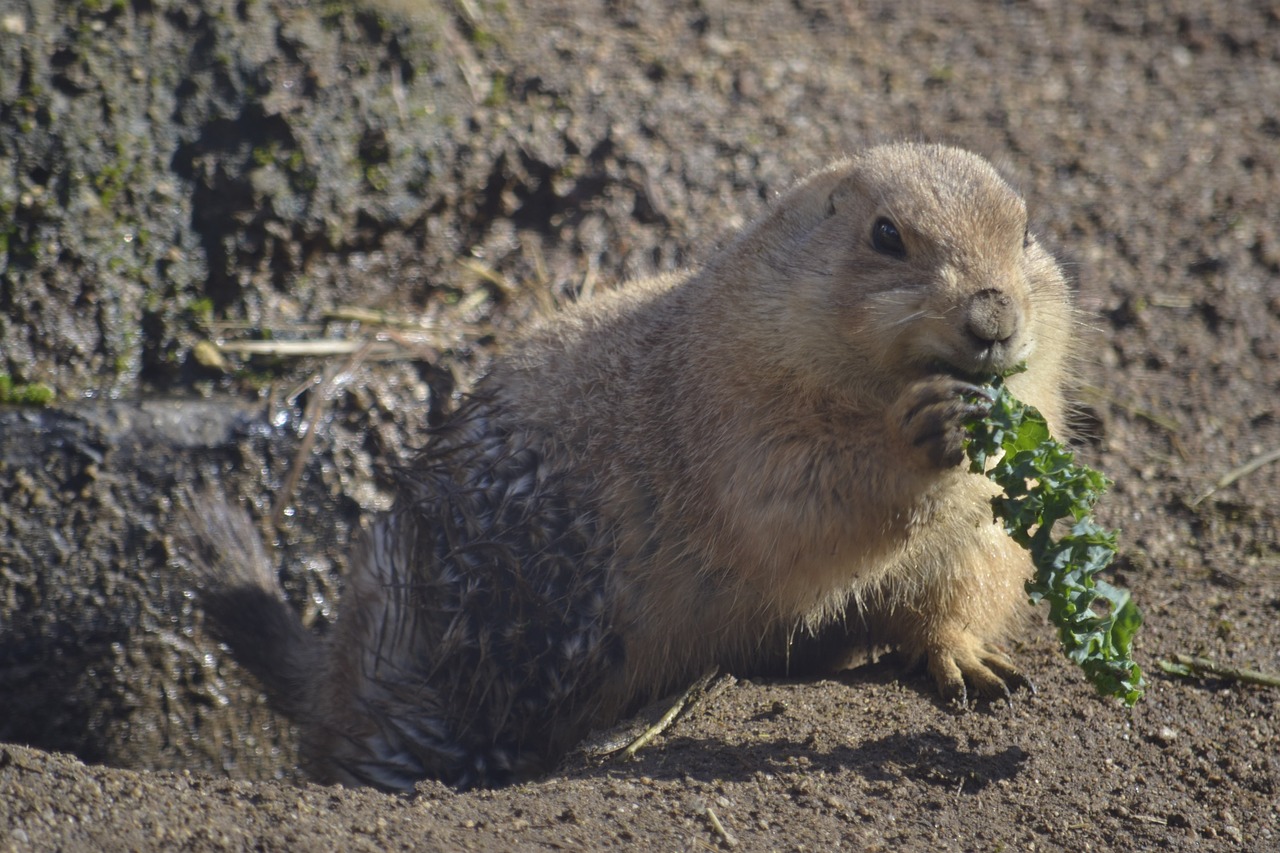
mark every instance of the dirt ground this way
{"type": "Point", "coordinates": [556, 144]}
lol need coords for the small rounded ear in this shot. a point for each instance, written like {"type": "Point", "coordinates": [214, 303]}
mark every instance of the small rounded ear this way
{"type": "Point", "coordinates": [842, 195]}
{"type": "Point", "coordinates": [808, 208]}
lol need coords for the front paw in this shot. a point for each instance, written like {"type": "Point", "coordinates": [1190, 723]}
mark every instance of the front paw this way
{"type": "Point", "coordinates": [929, 418]}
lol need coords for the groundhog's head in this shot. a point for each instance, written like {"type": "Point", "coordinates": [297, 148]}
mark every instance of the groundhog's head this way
{"type": "Point", "coordinates": [907, 260]}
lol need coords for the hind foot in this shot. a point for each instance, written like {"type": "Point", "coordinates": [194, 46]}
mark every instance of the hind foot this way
{"type": "Point", "coordinates": [968, 661]}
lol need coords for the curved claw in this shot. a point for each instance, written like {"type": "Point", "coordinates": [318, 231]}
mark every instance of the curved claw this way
{"type": "Point", "coordinates": [931, 414]}
{"type": "Point", "coordinates": [990, 672]}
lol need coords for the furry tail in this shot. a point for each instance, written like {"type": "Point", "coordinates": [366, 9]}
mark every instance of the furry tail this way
{"type": "Point", "coordinates": [239, 592]}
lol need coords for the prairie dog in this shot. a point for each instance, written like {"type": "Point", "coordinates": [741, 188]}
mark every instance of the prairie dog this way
{"type": "Point", "coordinates": [682, 473]}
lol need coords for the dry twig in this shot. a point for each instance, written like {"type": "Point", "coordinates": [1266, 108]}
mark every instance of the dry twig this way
{"type": "Point", "coordinates": [1236, 473]}
{"type": "Point", "coordinates": [704, 688]}
{"type": "Point", "coordinates": [1189, 666]}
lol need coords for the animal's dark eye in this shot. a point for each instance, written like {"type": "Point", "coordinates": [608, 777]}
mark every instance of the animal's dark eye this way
{"type": "Point", "coordinates": [886, 239]}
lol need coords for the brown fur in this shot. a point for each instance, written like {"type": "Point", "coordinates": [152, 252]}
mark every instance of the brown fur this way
{"type": "Point", "coordinates": [751, 450]}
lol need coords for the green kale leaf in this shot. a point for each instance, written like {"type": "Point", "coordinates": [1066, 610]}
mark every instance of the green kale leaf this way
{"type": "Point", "coordinates": [1042, 485]}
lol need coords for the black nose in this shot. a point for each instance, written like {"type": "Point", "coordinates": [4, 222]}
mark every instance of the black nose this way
{"type": "Point", "coordinates": [992, 316]}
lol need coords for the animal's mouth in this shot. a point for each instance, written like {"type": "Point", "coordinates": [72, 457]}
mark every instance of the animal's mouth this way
{"type": "Point", "coordinates": [982, 360]}
{"type": "Point", "coordinates": [945, 368]}
{"type": "Point", "coordinates": [978, 368]}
